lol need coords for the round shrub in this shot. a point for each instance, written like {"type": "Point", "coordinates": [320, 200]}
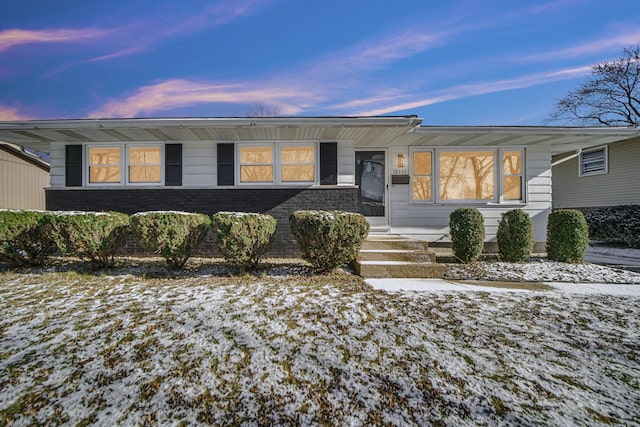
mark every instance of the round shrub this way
{"type": "Point", "coordinates": [93, 236]}
{"type": "Point", "coordinates": [243, 238]}
{"type": "Point", "coordinates": [25, 237]}
{"type": "Point", "coordinates": [567, 236]}
{"type": "Point", "coordinates": [328, 239]}
{"type": "Point", "coordinates": [515, 236]}
{"type": "Point", "coordinates": [466, 227]}
{"type": "Point", "coordinates": [173, 235]}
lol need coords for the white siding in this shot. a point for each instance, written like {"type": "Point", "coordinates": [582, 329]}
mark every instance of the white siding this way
{"type": "Point", "coordinates": [617, 187]}
{"type": "Point", "coordinates": [346, 163]}
{"type": "Point", "coordinates": [430, 221]}
{"type": "Point", "coordinates": [199, 162]}
{"type": "Point", "coordinates": [56, 161]}
{"type": "Point", "coordinates": [22, 184]}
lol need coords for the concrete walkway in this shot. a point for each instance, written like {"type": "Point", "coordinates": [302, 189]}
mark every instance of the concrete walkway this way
{"type": "Point", "coordinates": [439, 285]}
{"type": "Point", "coordinates": [619, 256]}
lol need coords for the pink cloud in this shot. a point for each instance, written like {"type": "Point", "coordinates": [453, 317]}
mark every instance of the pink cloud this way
{"type": "Point", "coordinates": [12, 114]}
{"type": "Point", "coordinates": [16, 37]}
{"type": "Point", "coordinates": [172, 94]}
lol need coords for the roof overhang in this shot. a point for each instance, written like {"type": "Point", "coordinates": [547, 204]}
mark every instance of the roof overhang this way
{"type": "Point", "coordinates": [363, 131]}
{"type": "Point", "coordinates": [560, 139]}
{"type": "Point", "coordinates": [39, 134]}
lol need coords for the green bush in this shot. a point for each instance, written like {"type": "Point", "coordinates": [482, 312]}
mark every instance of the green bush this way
{"type": "Point", "coordinates": [92, 236]}
{"type": "Point", "coordinates": [243, 238]}
{"type": "Point", "coordinates": [328, 239]}
{"type": "Point", "coordinates": [567, 236]}
{"type": "Point", "coordinates": [173, 235]}
{"type": "Point", "coordinates": [25, 238]}
{"type": "Point", "coordinates": [615, 224]}
{"type": "Point", "coordinates": [515, 236]}
{"type": "Point", "coordinates": [466, 227]}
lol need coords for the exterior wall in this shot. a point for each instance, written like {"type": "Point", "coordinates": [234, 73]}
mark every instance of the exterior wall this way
{"type": "Point", "coordinates": [619, 186]}
{"type": "Point", "coordinates": [430, 221]}
{"type": "Point", "coordinates": [22, 184]}
{"type": "Point", "coordinates": [279, 203]}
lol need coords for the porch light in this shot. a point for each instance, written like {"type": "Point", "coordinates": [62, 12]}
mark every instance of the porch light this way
{"type": "Point", "coordinates": [401, 161]}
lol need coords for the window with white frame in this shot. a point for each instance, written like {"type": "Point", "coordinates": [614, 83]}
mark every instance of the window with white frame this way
{"type": "Point", "coordinates": [106, 164]}
{"type": "Point", "coordinates": [512, 175]}
{"type": "Point", "coordinates": [471, 175]}
{"type": "Point", "coordinates": [593, 162]}
{"type": "Point", "coordinates": [281, 163]}
{"type": "Point", "coordinates": [421, 179]}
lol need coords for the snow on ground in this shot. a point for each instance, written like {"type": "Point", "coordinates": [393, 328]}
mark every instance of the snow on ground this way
{"type": "Point", "coordinates": [294, 350]}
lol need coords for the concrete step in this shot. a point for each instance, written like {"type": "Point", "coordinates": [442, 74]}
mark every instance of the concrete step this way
{"type": "Point", "coordinates": [412, 255]}
{"type": "Point", "coordinates": [385, 256]}
{"type": "Point", "coordinates": [397, 243]}
{"type": "Point", "coordinates": [398, 269]}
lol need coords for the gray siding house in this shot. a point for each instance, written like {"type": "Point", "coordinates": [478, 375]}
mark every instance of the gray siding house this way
{"type": "Point", "coordinates": [606, 175]}
{"type": "Point", "coordinates": [404, 177]}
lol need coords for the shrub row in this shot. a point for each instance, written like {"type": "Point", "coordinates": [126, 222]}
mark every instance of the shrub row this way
{"type": "Point", "coordinates": [567, 235]}
{"type": "Point", "coordinates": [327, 239]}
{"type": "Point", "coordinates": [615, 223]}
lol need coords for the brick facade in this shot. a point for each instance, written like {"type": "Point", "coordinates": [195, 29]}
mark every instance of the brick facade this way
{"type": "Point", "coordinates": [279, 203]}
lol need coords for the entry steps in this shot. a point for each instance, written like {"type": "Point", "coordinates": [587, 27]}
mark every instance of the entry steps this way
{"type": "Point", "coordinates": [389, 256]}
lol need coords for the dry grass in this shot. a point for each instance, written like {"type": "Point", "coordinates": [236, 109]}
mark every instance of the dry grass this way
{"type": "Point", "coordinates": [149, 346]}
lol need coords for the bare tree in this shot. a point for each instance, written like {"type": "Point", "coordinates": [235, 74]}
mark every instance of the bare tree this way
{"type": "Point", "coordinates": [260, 109]}
{"type": "Point", "coordinates": [610, 97]}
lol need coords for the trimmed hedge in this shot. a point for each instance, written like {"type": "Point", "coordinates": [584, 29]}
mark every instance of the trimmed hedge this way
{"type": "Point", "coordinates": [515, 236]}
{"type": "Point", "coordinates": [466, 227]}
{"type": "Point", "coordinates": [615, 223]}
{"type": "Point", "coordinates": [328, 239]}
{"type": "Point", "coordinates": [567, 236]}
{"type": "Point", "coordinates": [92, 236]}
{"type": "Point", "coordinates": [173, 235]}
{"type": "Point", "coordinates": [26, 238]}
{"type": "Point", "coordinates": [243, 238]}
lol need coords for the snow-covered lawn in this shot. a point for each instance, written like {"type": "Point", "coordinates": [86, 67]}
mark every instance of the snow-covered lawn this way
{"type": "Point", "coordinates": [287, 349]}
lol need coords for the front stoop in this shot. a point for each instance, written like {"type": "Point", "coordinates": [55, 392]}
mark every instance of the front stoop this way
{"type": "Point", "coordinates": [388, 256]}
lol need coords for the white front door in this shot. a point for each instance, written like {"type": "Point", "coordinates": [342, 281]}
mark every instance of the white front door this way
{"type": "Point", "coordinates": [371, 179]}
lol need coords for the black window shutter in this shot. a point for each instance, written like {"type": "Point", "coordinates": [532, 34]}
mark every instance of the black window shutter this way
{"type": "Point", "coordinates": [173, 165]}
{"type": "Point", "coordinates": [73, 165]}
{"type": "Point", "coordinates": [225, 164]}
{"type": "Point", "coordinates": [328, 163]}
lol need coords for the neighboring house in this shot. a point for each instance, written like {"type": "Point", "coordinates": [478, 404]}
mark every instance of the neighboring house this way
{"type": "Point", "coordinates": [404, 177]}
{"type": "Point", "coordinates": [605, 175]}
{"type": "Point", "coordinates": [23, 178]}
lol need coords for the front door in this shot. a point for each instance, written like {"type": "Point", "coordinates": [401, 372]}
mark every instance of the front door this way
{"type": "Point", "coordinates": [372, 187]}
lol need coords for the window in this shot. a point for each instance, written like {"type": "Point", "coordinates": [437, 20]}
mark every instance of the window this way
{"type": "Point", "coordinates": [104, 165]}
{"type": "Point", "coordinates": [297, 163]}
{"type": "Point", "coordinates": [283, 163]}
{"type": "Point", "coordinates": [466, 175]}
{"type": "Point", "coordinates": [593, 162]}
{"type": "Point", "coordinates": [421, 177]}
{"type": "Point", "coordinates": [143, 164]}
{"type": "Point", "coordinates": [256, 163]}
{"type": "Point", "coordinates": [480, 175]}
{"type": "Point", "coordinates": [512, 175]}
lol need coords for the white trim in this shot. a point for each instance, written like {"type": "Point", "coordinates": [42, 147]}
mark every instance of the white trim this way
{"type": "Point", "coordinates": [605, 168]}
{"type": "Point", "coordinates": [498, 175]}
{"type": "Point", "coordinates": [124, 165]}
{"type": "Point", "coordinates": [277, 163]}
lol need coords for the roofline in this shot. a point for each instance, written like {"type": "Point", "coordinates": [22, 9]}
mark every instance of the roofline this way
{"type": "Point", "coordinates": [36, 161]}
{"type": "Point", "coordinates": [411, 120]}
{"type": "Point", "coordinates": [526, 130]}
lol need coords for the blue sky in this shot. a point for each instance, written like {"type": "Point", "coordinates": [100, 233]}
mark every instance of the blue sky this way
{"type": "Point", "coordinates": [501, 62]}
